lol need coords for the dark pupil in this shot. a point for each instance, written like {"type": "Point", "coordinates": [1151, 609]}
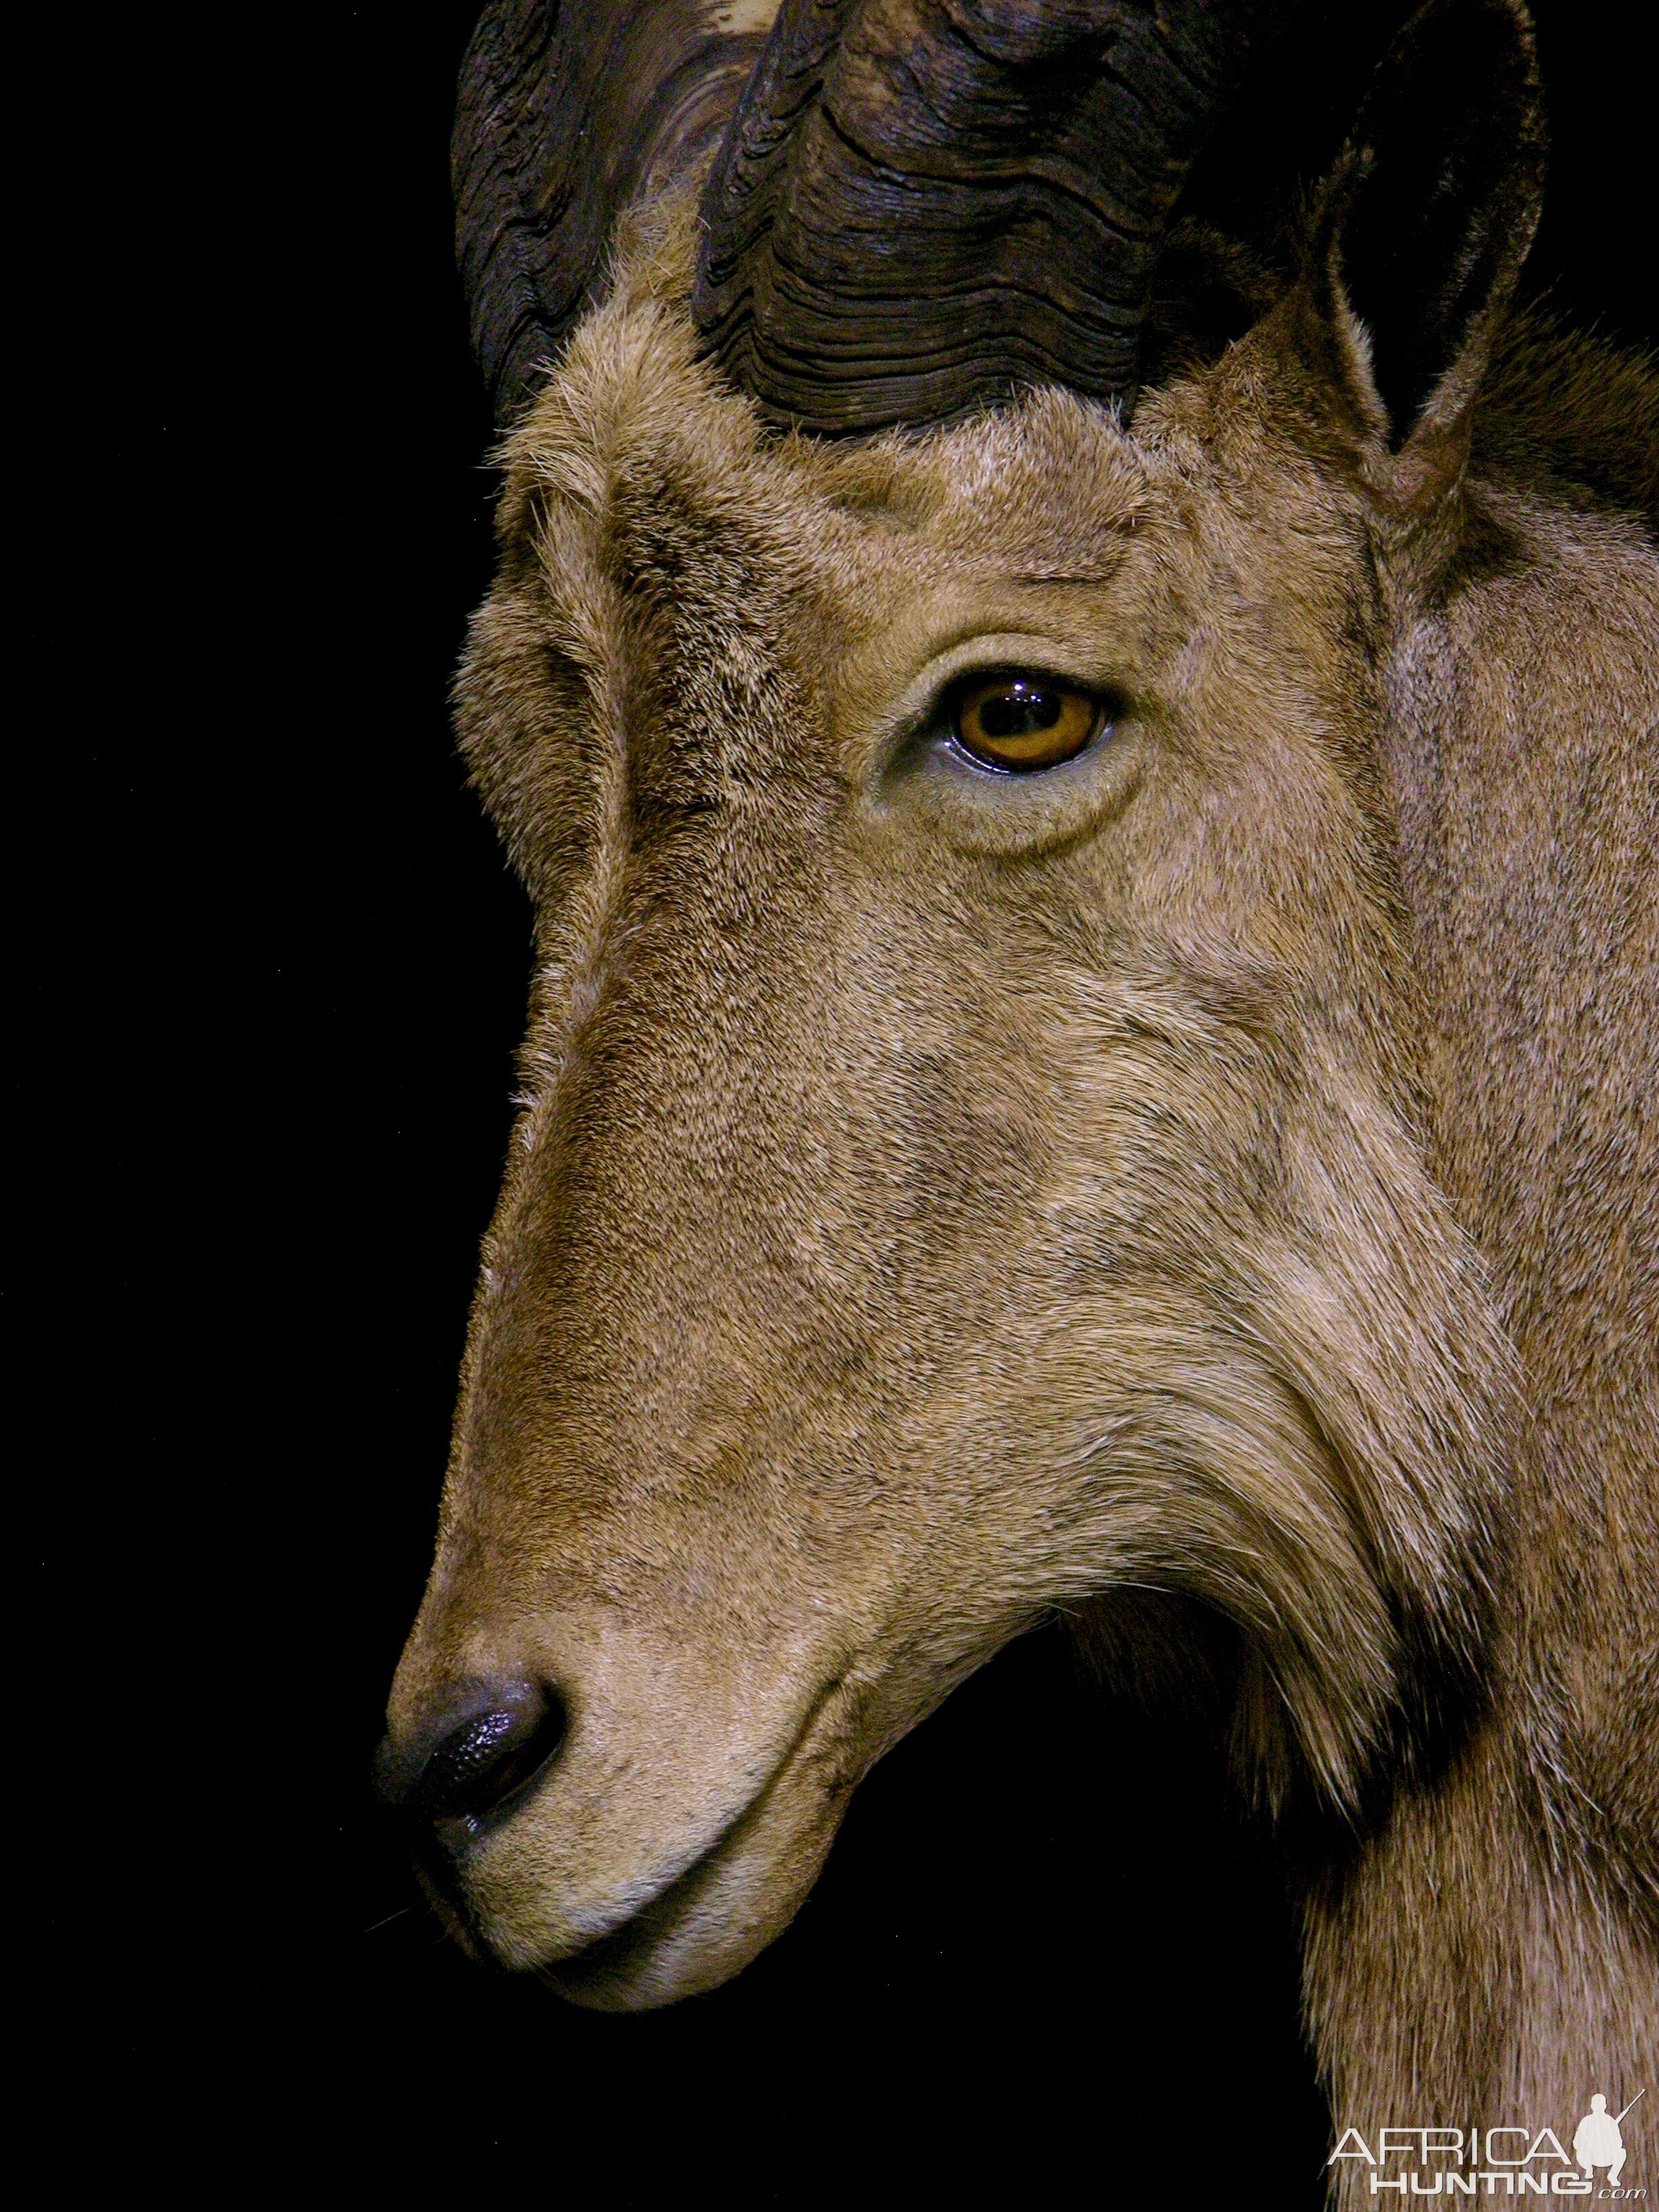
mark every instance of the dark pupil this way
{"type": "Point", "coordinates": [1017, 711]}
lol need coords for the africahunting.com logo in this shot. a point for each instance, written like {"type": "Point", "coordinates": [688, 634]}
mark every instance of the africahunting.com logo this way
{"type": "Point", "coordinates": [1501, 2162]}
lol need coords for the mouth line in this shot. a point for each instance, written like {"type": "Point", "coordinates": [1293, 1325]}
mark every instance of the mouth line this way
{"type": "Point", "coordinates": [605, 1952]}
{"type": "Point", "coordinates": [613, 1946]}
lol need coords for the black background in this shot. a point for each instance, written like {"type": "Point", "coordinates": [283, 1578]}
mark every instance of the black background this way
{"type": "Point", "coordinates": [280, 970]}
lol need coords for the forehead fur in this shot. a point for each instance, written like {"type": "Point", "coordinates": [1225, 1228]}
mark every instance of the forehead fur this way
{"type": "Point", "coordinates": [633, 415]}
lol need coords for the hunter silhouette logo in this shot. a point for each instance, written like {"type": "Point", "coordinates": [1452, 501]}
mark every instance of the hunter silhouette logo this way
{"type": "Point", "coordinates": [1598, 2142]}
{"type": "Point", "coordinates": [1501, 2161]}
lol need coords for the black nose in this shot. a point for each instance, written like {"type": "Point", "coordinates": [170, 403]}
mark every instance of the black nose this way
{"type": "Point", "coordinates": [467, 1763]}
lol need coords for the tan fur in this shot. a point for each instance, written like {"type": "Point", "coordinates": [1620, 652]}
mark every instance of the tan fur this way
{"type": "Point", "coordinates": [1224, 1167]}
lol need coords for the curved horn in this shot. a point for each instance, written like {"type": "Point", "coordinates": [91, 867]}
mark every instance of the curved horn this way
{"type": "Point", "coordinates": [924, 204]}
{"type": "Point", "coordinates": [568, 108]}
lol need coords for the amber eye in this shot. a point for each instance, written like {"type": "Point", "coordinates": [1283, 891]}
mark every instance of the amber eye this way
{"type": "Point", "coordinates": [1023, 722]}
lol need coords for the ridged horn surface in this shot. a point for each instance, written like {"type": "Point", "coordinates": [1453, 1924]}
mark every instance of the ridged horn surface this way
{"type": "Point", "coordinates": [922, 205]}
{"type": "Point", "coordinates": [567, 109]}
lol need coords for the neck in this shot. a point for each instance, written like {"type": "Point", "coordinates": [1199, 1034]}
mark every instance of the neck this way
{"type": "Point", "coordinates": [1492, 1956]}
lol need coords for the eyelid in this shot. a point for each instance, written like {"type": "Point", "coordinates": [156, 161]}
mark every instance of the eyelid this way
{"type": "Point", "coordinates": [918, 771]}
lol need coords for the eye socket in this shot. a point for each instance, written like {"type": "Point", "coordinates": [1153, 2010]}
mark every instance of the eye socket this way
{"type": "Point", "coordinates": [1019, 723]}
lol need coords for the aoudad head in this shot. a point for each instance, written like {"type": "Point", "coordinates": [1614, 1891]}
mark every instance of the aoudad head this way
{"type": "Point", "coordinates": [972, 1162]}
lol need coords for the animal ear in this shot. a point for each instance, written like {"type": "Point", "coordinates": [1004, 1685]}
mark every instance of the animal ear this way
{"type": "Point", "coordinates": [1427, 220]}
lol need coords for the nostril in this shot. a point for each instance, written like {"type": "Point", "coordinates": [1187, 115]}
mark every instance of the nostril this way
{"type": "Point", "coordinates": [483, 1759]}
